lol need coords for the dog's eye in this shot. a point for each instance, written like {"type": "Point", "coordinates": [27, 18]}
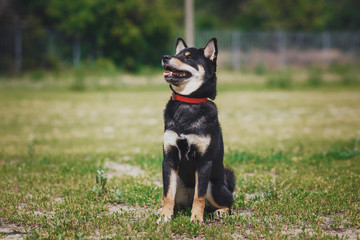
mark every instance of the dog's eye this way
{"type": "Point", "coordinates": [188, 58]}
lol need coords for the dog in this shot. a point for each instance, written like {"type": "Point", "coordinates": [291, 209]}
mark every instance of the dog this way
{"type": "Point", "coordinates": [192, 168]}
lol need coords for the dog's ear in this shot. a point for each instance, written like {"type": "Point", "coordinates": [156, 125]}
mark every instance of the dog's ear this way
{"type": "Point", "coordinates": [211, 50]}
{"type": "Point", "coordinates": [180, 45]}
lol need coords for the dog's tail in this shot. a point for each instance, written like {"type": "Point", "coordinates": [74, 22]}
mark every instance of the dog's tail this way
{"type": "Point", "coordinates": [229, 179]}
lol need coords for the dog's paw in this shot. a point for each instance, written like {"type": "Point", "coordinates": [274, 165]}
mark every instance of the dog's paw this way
{"type": "Point", "coordinates": [165, 216]}
{"type": "Point", "coordinates": [221, 213]}
{"type": "Point", "coordinates": [197, 218]}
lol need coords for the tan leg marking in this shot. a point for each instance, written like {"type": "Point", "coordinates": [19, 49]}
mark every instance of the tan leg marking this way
{"type": "Point", "coordinates": [169, 200]}
{"type": "Point", "coordinates": [197, 211]}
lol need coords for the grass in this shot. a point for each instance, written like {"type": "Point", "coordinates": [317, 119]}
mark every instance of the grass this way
{"type": "Point", "coordinates": [293, 150]}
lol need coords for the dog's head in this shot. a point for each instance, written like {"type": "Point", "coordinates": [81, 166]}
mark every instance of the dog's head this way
{"type": "Point", "coordinates": [191, 72]}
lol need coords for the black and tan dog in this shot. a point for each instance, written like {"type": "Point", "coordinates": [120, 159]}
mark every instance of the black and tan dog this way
{"type": "Point", "coordinates": [193, 171]}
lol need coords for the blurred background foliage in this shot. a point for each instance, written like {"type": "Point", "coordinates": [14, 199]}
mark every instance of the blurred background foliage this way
{"type": "Point", "coordinates": [129, 32]}
{"type": "Point", "coordinates": [134, 33]}
{"type": "Point", "coordinates": [293, 15]}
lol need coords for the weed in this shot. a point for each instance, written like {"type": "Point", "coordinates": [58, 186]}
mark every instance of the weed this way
{"type": "Point", "coordinates": [101, 192]}
{"type": "Point", "coordinates": [101, 179]}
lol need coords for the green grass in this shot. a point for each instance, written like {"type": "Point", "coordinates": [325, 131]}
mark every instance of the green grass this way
{"type": "Point", "coordinates": [294, 153]}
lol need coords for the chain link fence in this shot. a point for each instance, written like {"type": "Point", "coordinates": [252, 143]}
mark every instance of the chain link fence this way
{"type": "Point", "coordinates": [22, 49]}
{"type": "Point", "coordinates": [279, 49]}
{"type": "Point", "coordinates": [25, 49]}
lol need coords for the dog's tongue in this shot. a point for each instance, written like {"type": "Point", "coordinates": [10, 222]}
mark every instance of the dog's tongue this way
{"type": "Point", "coordinates": [167, 74]}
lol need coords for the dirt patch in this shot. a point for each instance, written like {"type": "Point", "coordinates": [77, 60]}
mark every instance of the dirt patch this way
{"type": "Point", "coordinates": [119, 169]}
{"type": "Point", "coordinates": [348, 233]}
{"type": "Point", "coordinates": [121, 208]}
{"type": "Point", "coordinates": [295, 232]}
{"type": "Point", "coordinates": [11, 230]}
{"type": "Point", "coordinates": [136, 212]}
{"type": "Point", "coordinates": [178, 237]}
{"type": "Point", "coordinates": [15, 236]}
{"type": "Point", "coordinates": [22, 207]}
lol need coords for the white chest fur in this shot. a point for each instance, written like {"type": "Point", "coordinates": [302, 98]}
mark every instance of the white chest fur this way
{"type": "Point", "coordinates": [200, 142]}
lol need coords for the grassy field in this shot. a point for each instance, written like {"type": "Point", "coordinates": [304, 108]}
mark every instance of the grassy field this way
{"type": "Point", "coordinates": [87, 164]}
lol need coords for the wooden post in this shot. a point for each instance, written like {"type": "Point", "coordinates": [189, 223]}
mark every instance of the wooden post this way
{"type": "Point", "coordinates": [189, 22]}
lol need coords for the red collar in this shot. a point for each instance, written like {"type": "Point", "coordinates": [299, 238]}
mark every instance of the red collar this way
{"type": "Point", "coordinates": [187, 99]}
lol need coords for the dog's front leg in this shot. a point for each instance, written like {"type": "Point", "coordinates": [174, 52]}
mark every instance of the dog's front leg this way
{"type": "Point", "coordinates": [169, 181]}
{"type": "Point", "coordinates": [201, 183]}
{"type": "Point", "coordinates": [170, 166]}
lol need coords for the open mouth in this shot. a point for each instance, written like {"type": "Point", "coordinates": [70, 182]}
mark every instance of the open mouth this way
{"type": "Point", "coordinates": [172, 75]}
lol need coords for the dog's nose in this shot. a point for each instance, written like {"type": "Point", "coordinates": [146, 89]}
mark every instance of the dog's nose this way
{"type": "Point", "coordinates": [166, 58]}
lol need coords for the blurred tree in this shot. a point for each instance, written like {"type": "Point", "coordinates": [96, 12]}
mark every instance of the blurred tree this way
{"type": "Point", "coordinates": [216, 14]}
{"type": "Point", "coordinates": [7, 13]}
{"type": "Point", "coordinates": [345, 15]}
{"type": "Point", "coordinates": [131, 32]}
{"type": "Point", "coordinates": [304, 15]}
{"type": "Point", "coordinates": [29, 15]}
